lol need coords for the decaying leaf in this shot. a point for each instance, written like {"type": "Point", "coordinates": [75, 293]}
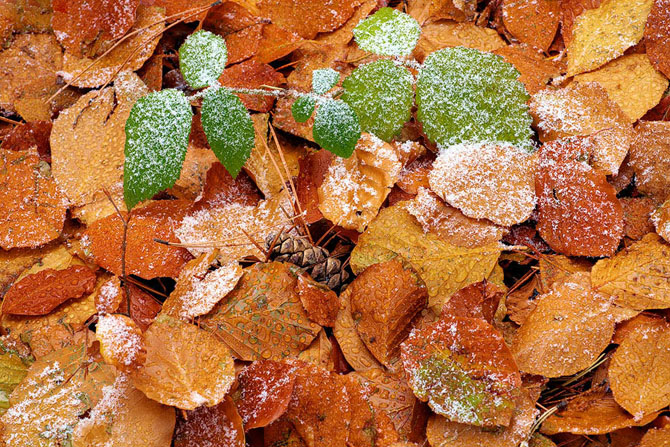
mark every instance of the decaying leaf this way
{"type": "Point", "coordinates": [354, 188]}
{"type": "Point", "coordinates": [650, 158]}
{"type": "Point", "coordinates": [308, 17]}
{"type": "Point", "coordinates": [566, 332]}
{"type": "Point", "coordinates": [217, 426]}
{"type": "Point", "coordinates": [385, 298]}
{"type": "Point", "coordinates": [320, 302]}
{"type": "Point", "coordinates": [186, 367]}
{"type": "Point", "coordinates": [656, 40]}
{"type": "Point", "coordinates": [464, 369]}
{"type": "Point", "coordinates": [444, 268]}
{"type": "Point", "coordinates": [639, 217]}
{"type": "Point", "coordinates": [121, 343]}
{"type": "Point", "coordinates": [532, 22]}
{"type": "Point", "coordinates": [445, 34]}
{"type": "Point", "coordinates": [557, 268]}
{"type": "Point", "coordinates": [262, 318]}
{"type": "Point", "coordinates": [486, 181]}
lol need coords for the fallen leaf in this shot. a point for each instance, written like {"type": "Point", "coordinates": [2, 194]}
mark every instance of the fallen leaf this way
{"type": "Point", "coordinates": [650, 158]}
{"type": "Point", "coordinates": [121, 343]}
{"type": "Point", "coordinates": [522, 301]}
{"type": "Point", "coordinates": [13, 368]}
{"type": "Point", "coordinates": [186, 367]}
{"type": "Point", "coordinates": [640, 323]}
{"type": "Point", "coordinates": [637, 216]}
{"type": "Point", "coordinates": [534, 23]}
{"type": "Point", "coordinates": [566, 332]}
{"type": "Point", "coordinates": [33, 204]}
{"type": "Point", "coordinates": [479, 300]}
{"type": "Point", "coordinates": [262, 318]}
{"type": "Point", "coordinates": [443, 267]}
{"type": "Point", "coordinates": [252, 74]}
{"type": "Point", "coordinates": [313, 169]}
{"type": "Point", "coordinates": [276, 42]}
{"type": "Point", "coordinates": [661, 220]}
{"type": "Point", "coordinates": [143, 307]}
{"type": "Point", "coordinates": [308, 17]}
{"type": "Point", "coordinates": [33, 134]}
{"type": "Point", "coordinates": [464, 370]}
{"type": "Point", "coordinates": [42, 292]}
{"type": "Point", "coordinates": [193, 175]}
{"type": "Point", "coordinates": [217, 426]}
{"type": "Point", "coordinates": [638, 277]}
{"type": "Point", "coordinates": [656, 437]}
{"type": "Point", "coordinates": [320, 352]}
{"type": "Point", "coordinates": [445, 34]}
{"type": "Point", "coordinates": [244, 43]}
{"type": "Point", "coordinates": [536, 70]}
{"type": "Point", "coordinates": [144, 256]}
{"type": "Point", "coordinates": [656, 39]}
{"type": "Point", "coordinates": [385, 298]}
{"type": "Point", "coordinates": [110, 296]}
{"type": "Point", "coordinates": [631, 82]}
{"type": "Point", "coordinates": [319, 301]}
{"type": "Point", "coordinates": [558, 268]}
{"type": "Point", "coordinates": [570, 10]}
{"type": "Point", "coordinates": [220, 189]}
{"type": "Point", "coordinates": [176, 9]}
{"type": "Point", "coordinates": [486, 181]}
{"type": "Point", "coordinates": [602, 34]}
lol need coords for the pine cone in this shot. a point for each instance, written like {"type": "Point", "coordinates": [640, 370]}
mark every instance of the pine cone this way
{"type": "Point", "coordinates": [315, 260]}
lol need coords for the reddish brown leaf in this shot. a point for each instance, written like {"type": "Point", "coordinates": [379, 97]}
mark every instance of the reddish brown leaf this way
{"type": "Point", "coordinates": [221, 188]}
{"type": "Point", "coordinates": [217, 426]}
{"type": "Point", "coordinates": [313, 169]}
{"type": "Point", "coordinates": [244, 43]}
{"type": "Point", "coordinates": [570, 10]}
{"type": "Point", "coordinates": [532, 22]}
{"type": "Point", "coordinates": [479, 300]}
{"type": "Point", "coordinates": [276, 43]}
{"type": "Point", "coordinates": [308, 17]}
{"type": "Point", "coordinates": [319, 301]}
{"type": "Point", "coordinates": [143, 307]}
{"type": "Point", "coordinates": [536, 70]}
{"type": "Point", "coordinates": [656, 37]}
{"type": "Point", "coordinates": [33, 134]}
{"type": "Point", "coordinates": [42, 292]}
{"type": "Point", "coordinates": [253, 74]}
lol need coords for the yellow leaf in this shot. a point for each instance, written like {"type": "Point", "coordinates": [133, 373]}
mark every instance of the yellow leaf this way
{"type": "Point", "coordinates": [443, 267]}
{"type": "Point", "coordinates": [13, 369]}
{"type": "Point", "coordinates": [186, 367]}
{"type": "Point", "coordinates": [604, 33]}
{"type": "Point", "coordinates": [656, 437]}
{"type": "Point", "coordinates": [121, 343]}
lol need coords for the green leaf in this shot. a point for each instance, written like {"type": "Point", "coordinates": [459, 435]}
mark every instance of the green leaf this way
{"type": "Point", "coordinates": [381, 95]}
{"type": "Point", "coordinates": [468, 96]}
{"type": "Point", "coordinates": [324, 79]}
{"type": "Point", "coordinates": [388, 32]}
{"type": "Point", "coordinates": [302, 108]}
{"type": "Point", "coordinates": [336, 127]}
{"type": "Point", "coordinates": [202, 58]}
{"type": "Point", "coordinates": [229, 129]}
{"type": "Point", "coordinates": [157, 133]}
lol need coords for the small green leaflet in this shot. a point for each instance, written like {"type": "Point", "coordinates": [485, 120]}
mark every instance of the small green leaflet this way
{"type": "Point", "coordinates": [157, 133]}
{"type": "Point", "coordinates": [468, 96]}
{"type": "Point", "coordinates": [381, 95]}
{"type": "Point", "coordinates": [229, 129]}
{"type": "Point", "coordinates": [388, 32]}
{"type": "Point", "coordinates": [202, 58]}
{"type": "Point", "coordinates": [336, 127]}
{"type": "Point", "coordinates": [302, 108]}
{"type": "Point", "coordinates": [324, 79]}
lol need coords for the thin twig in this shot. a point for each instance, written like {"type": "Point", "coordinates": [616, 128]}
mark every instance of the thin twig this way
{"type": "Point", "coordinates": [10, 121]}
{"type": "Point", "coordinates": [126, 285]}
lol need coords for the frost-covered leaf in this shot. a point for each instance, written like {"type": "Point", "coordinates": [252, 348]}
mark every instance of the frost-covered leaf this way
{"type": "Point", "coordinates": [303, 108]}
{"type": "Point", "coordinates": [656, 38]}
{"type": "Point", "coordinates": [532, 22]}
{"type": "Point", "coordinates": [121, 343]}
{"type": "Point", "coordinates": [157, 133]}
{"type": "Point", "coordinates": [650, 158]}
{"type": "Point", "coordinates": [656, 437]}
{"type": "Point", "coordinates": [336, 127]}
{"type": "Point", "coordinates": [468, 96]}
{"type": "Point", "coordinates": [447, 33]}
{"type": "Point", "coordinates": [217, 426]}
{"type": "Point", "coordinates": [464, 370]}
{"type": "Point", "coordinates": [388, 32]}
{"type": "Point", "coordinates": [381, 94]}
{"type": "Point", "coordinates": [202, 58]}
{"type": "Point", "coordinates": [323, 79]}
{"type": "Point", "coordinates": [661, 220]}
{"type": "Point", "coordinates": [307, 18]}
{"type": "Point", "coordinates": [229, 129]}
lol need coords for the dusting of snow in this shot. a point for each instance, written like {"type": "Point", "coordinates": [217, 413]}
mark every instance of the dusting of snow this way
{"type": "Point", "coordinates": [204, 295]}
{"type": "Point", "coordinates": [119, 340]}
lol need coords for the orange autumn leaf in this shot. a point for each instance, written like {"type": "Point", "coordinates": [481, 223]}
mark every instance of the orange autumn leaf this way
{"type": "Point", "coordinates": [536, 70]}
{"type": "Point", "coordinates": [220, 188]}
{"type": "Point", "coordinates": [557, 268]}
{"type": "Point", "coordinates": [33, 134]}
{"type": "Point", "coordinates": [532, 22]}
{"type": "Point", "coordinates": [320, 303]}
{"type": "Point", "coordinates": [656, 437]}
{"type": "Point", "coordinates": [217, 426]}
{"type": "Point", "coordinates": [464, 370]}
{"type": "Point", "coordinates": [243, 43]}
{"type": "Point", "coordinates": [656, 39]}
{"type": "Point", "coordinates": [479, 300]}
{"type": "Point", "coordinates": [121, 343]}
{"type": "Point", "coordinates": [144, 256]}
{"type": "Point", "coordinates": [313, 169]}
{"type": "Point", "coordinates": [143, 307]}
{"type": "Point", "coordinates": [385, 297]}
{"type": "Point", "coordinates": [638, 217]}
{"type": "Point", "coordinates": [570, 10]}
{"type": "Point", "coordinates": [42, 292]}
{"type": "Point", "coordinates": [661, 220]}
{"type": "Point", "coordinates": [276, 42]}
{"type": "Point", "coordinates": [252, 74]}
{"type": "Point", "coordinates": [308, 17]}
{"type": "Point", "coordinates": [650, 158]}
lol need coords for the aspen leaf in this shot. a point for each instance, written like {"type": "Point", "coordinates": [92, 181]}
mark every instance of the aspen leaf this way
{"type": "Point", "coordinates": [35, 133]}
{"type": "Point", "coordinates": [319, 301]}
{"type": "Point", "coordinates": [534, 23]}
{"type": "Point", "coordinates": [110, 296]}
{"type": "Point", "coordinates": [217, 426]}
{"type": "Point", "coordinates": [307, 17]}
{"type": "Point", "coordinates": [557, 268]}
{"type": "Point", "coordinates": [121, 343]}
{"type": "Point", "coordinates": [656, 40]}
{"type": "Point", "coordinates": [463, 368]}
{"type": "Point", "coordinates": [566, 332]}
{"type": "Point", "coordinates": [185, 367]}
{"type": "Point", "coordinates": [570, 10]}
{"type": "Point", "coordinates": [446, 34]}
{"type": "Point", "coordinates": [650, 158]}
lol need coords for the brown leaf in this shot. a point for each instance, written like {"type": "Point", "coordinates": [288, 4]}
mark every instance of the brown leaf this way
{"type": "Point", "coordinates": [186, 367]}
{"type": "Point", "coordinates": [650, 158]}
{"type": "Point", "coordinates": [176, 9]}
{"type": "Point", "coordinates": [385, 298]}
{"type": "Point", "coordinates": [220, 188]}
{"type": "Point", "coordinates": [593, 412]}
{"type": "Point", "coordinates": [33, 205]}
{"type": "Point", "coordinates": [661, 220]}
{"type": "Point", "coordinates": [522, 301]}
{"type": "Point", "coordinates": [282, 118]}
{"type": "Point", "coordinates": [191, 181]}
{"type": "Point", "coordinates": [320, 303]}
{"type": "Point", "coordinates": [144, 256]}
{"type": "Point", "coordinates": [308, 17]}
{"type": "Point", "coordinates": [570, 10]}
{"type": "Point", "coordinates": [656, 40]}
{"type": "Point", "coordinates": [121, 343]}
{"type": "Point", "coordinates": [640, 323]}
{"type": "Point", "coordinates": [566, 332]}
{"type": "Point", "coordinates": [217, 426]}
{"type": "Point", "coordinates": [320, 353]}
{"type": "Point", "coordinates": [479, 300]}
{"type": "Point", "coordinates": [656, 437]}
{"type": "Point", "coordinates": [34, 134]}
{"type": "Point", "coordinates": [40, 293]}
{"type": "Point", "coordinates": [533, 23]}
{"type": "Point", "coordinates": [244, 43]}
{"type": "Point", "coordinates": [252, 74]}
{"type": "Point", "coordinates": [90, 27]}
{"type": "Point", "coordinates": [262, 318]}
{"type": "Point", "coordinates": [445, 34]}
{"type": "Point", "coordinates": [313, 169]}
{"type": "Point", "coordinates": [558, 268]}
{"type": "Point", "coordinates": [579, 213]}
{"type": "Point", "coordinates": [536, 70]}
{"type": "Point", "coordinates": [276, 42]}
{"type": "Point", "coordinates": [464, 370]}
{"type": "Point", "coordinates": [637, 216]}
{"type": "Point", "coordinates": [143, 307]}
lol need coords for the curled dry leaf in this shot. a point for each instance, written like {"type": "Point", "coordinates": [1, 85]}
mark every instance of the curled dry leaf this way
{"type": "Point", "coordinates": [385, 298]}
{"type": "Point", "coordinates": [90, 27]}
{"type": "Point", "coordinates": [579, 213]}
{"type": "Point", "coordinates": [217, 426]}
{"type": "Point", "coordinates": [262, 318]}
{"type": "Point", "coordinates": [656, 39]}
{"type": "Point", "coordinates": [479, 300]}
{"type": "Point", "coordinates": [125, 417]}
{"type": "Point", "coordinates": [486, 181]}
{"type": "Point", "coordinates": [661, 220]}
{"type": "Point", "coordinates": [128, 55]}
{"type": "Point", "coordinates": [566, 332]}
{"type": "Point", "coordinates": [464, 370]}
{"type": "Point", "coordinates": [87, 140]}
{"type": "Point", "coordinates": [32, 203]}
{"type": "Point", "coordinates": [534, 23]}
{"type": "Point", "coordinates": [121, 343]}
{"type": "Point", "coordinates": [638, 372]}
{"type": "Point", "coordinates": [191, 181]}
{"type": "Point", "coordinates": [638, 277]}
{"type": "Point", "coordinates": [536, 70]}
{"type": "Point", "coordinates": [522, 301]}
{"type": "Point", "coordinates": [320, 303]}
{"type": "Point", "coordinates": [144, 256]}
{"type": "Point", "coordinates": [308, 17]}
{"type": "Point", "coordinates": [631, 82]}
{"type": "Point", "coordinates": [604, 33]}
{"type": "Point", "coordinates": [444, 268]}
{"type": "Point", "coordinates": [444, 433]}
{"type": "Point", "coordinates": [593, 412]}
{"type": "Point", "coordinates": [313, 168]}
{"type": "Point", "coordinates": [186, 367]}
{"type": "Point", "coordinates": [650, 158]}
{"type": "Point", "coordinates": [354, 188]}
{"type": "Point", "coordinates": [445, 34]}
{"type": "Point", "coordinates": [42, 292]}
{"type": "Point", "coordinates": [450, 224]}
